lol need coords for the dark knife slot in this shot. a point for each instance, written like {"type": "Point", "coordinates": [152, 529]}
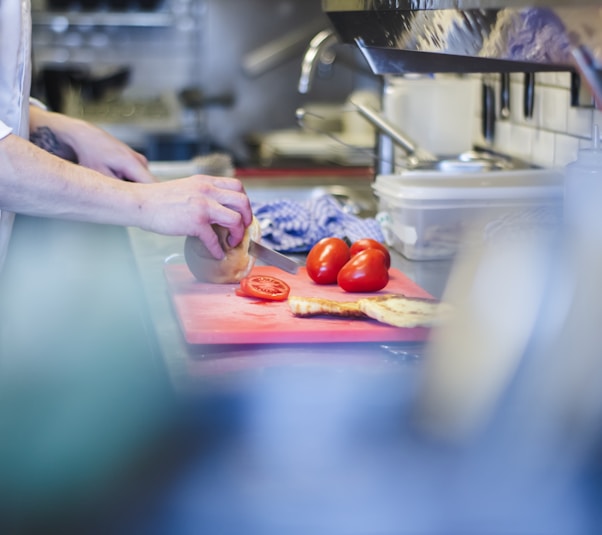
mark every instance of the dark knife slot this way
{"type": "Point", "coordinates": [505, 95]}
{"type": "Point", "coordinates": [488, 114]}
{"type": "Point", "coordinates": [529, 96]}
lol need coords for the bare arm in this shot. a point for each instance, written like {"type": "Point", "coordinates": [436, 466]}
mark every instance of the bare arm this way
{"type": "Point", "coordinates": [35, 182]}
{"type": "Point", "coordinates": [79, 141]}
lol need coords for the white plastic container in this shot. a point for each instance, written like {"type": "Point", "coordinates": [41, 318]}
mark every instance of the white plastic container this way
{"type": "Point", "coordinates": [430, 216]}
{"type": "Point", "coordinates": [583, 190]}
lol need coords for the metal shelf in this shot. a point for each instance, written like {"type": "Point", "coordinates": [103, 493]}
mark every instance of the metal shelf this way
{"type": "Point", "coordinates": [138, 19]}
{"type": "Point", "coordinates": [430, 5]}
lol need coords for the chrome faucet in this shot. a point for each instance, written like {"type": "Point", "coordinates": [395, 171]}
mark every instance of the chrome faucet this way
{"type": "Point", "coordinates": [318, 52]}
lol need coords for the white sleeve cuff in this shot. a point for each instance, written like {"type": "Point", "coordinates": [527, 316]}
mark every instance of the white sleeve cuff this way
{"type": "Point", "coordinates": [37, 103]}
{"type": "Point", "coordinates": [4, 130]}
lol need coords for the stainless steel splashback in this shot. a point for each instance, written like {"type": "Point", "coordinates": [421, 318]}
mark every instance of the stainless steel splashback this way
{"type": "Point", "coordinates": [399, 36]}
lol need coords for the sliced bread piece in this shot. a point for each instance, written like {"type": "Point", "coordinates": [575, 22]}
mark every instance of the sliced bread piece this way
{"type": "Point", "coordinates": [402, 311]}
{"type": "Point", "coordinates": [316, 306]}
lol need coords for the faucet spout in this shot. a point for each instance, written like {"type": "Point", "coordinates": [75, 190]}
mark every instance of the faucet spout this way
{"type": "Point", "coordinates": [318, 52]}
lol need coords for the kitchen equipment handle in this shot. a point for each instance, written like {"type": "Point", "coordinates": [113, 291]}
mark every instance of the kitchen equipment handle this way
{"type": "Point", "coordinates": [279, 50]}
{"type": "Point", "coordinates": [505, 95]}
{"type": "Point", "coordinates": [488, 114]}
{"type": "Point", "coordinates": [399, 138]}
{"type": "Point", "coordinates": [529, 97]}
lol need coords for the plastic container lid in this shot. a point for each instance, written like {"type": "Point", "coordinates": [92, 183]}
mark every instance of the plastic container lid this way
{"type": "Point", "coordinates": [520, 184]}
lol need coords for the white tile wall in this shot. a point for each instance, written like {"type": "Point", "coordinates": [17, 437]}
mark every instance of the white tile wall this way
{"type": "Point", "coordinates": [542, 152]}
{"type": "Point", "coordinates": [552, 137]}
{"type": "Point", "coordinates": [554, 108]}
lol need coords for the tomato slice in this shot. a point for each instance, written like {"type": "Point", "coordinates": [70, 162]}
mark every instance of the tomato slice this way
{"type": "Point", "coordinates": [265, 287]}
{"type": "Point", "coordinates": [240, 293]}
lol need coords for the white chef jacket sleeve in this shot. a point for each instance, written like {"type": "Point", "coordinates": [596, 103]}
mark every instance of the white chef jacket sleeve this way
{"type": "Point", "coordinates": [37, 103]}
{"type": "Point", "coordinates": [4, 130]}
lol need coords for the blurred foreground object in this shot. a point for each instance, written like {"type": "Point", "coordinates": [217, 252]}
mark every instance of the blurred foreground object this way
{"type": "Point", "coordinates": [515, 379]}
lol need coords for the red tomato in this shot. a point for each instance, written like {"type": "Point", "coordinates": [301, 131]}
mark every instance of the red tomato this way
{"type": "Point", "coordinates": [369, 243]}
{"type": "Point", "coordinates": [265, 287]}
{"type": "Point", "coordinates": [325, 260]}
{"type": "Point", "coordinates": [366, 272]}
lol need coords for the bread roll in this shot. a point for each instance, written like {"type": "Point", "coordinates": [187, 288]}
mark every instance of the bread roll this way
{"type": "Point", "coordinates": [236, 265]}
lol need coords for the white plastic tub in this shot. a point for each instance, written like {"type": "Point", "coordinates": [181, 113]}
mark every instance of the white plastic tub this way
{"type": "Point", "coordinates": [429, 216]}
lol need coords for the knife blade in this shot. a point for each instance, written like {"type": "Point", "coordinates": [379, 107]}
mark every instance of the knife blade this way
{"type": "Point", "coordinates": [272, 258]}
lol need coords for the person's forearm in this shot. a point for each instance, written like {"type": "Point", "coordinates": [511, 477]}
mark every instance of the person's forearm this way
{"type": "Point", "coordinates": [35, 182]}
{"type": "Point", "coordinates": [85, 143]}
{"type": "Point", "coordinates": [45, 137]}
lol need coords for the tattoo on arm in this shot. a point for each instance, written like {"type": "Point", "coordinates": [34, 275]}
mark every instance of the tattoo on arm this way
{"type": "Point", "coordinates": [46, 139]}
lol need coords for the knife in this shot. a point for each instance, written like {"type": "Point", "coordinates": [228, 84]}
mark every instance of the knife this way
{"type": "Point", "coordinates": [200, 261]}
{"type": "Point", "coordinates": [272, 258]}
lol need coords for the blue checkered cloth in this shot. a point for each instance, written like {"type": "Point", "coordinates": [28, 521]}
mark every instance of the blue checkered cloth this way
{"type": "Point", "coordinates": [294, 227]}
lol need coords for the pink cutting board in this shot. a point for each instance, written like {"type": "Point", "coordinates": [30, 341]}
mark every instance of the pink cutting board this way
{"type": "Point", "coordinates": [214, 314]}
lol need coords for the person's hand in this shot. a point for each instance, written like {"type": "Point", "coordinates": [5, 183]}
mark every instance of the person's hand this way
{"type": "Point", "coordinates": [182, 207]}
{"type": "Point", "coordinates": [88, 145]}
{"type": "Point", "coordinates": [189, 206]}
